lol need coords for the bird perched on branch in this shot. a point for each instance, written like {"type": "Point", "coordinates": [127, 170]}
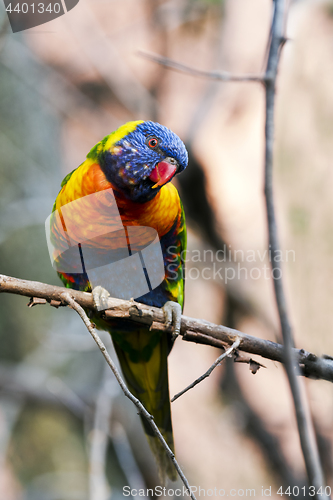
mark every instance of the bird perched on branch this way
{"type": "Point", "coordinates": [129, 173]}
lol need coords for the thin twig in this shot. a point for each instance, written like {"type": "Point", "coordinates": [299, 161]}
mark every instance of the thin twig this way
{"type": "Point", "coordinates": [305, 427]}
{"type": "Point", "coordinates": [199, 338]}
{"type": "Point", "coordinates": [142, 410]}
{"type": "Point", "coordinates": [209, 371]}
{"type": "Point", "coordinates": [213, 75]}
{"type": "Point", "coordinates": [192, 329]}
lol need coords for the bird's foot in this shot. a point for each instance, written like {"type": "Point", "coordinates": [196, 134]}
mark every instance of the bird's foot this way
{"type": "Point", "coordinates": [173, 315]}
{"type": "Point", "coordinates": [100, 298]}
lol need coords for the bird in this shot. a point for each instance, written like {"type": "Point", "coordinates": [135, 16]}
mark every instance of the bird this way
{"type": "Point", "coordinates": [135, 163]}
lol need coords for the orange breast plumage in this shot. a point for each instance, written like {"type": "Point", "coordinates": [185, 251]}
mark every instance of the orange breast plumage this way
{"type": "Point", "coordinates": [91, 211]}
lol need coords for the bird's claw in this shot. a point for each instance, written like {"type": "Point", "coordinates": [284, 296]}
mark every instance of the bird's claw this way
{"type": "Point", "coordinates": [100, 298]}
{"type": "Point", "coordinates": [173, 315]}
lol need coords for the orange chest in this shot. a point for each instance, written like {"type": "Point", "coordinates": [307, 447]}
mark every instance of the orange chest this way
{"type": "Point", "coordinates": [159, 213]}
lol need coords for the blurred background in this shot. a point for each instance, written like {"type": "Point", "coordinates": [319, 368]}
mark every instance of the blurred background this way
{"type": "Point", "coordinates": [66, 431]}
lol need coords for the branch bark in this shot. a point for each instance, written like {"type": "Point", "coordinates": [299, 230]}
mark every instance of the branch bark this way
{"type": "Point", "coordinates": [303, 416]}
{"type": "Point", "coordinates": [192, 330]}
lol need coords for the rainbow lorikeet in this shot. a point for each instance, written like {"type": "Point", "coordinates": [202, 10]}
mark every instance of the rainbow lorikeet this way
{"type": "Point", "coordinates": [137, 162]}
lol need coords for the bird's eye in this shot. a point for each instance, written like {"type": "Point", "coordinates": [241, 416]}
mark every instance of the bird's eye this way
{"type": "Point", "coordinates": [152, 142]}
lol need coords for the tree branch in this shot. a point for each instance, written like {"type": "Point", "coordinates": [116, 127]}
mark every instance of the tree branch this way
{"type": "Point", "coordinates": [66, 297]}
{"type": "Point", "coordinates": [222, 76]}
{"type": "Point", "coordinates": [209, 371]}
{"type": "Point", "coordinates": [192, 330]}
{"type": "Point", "coordinates": [304, 422]}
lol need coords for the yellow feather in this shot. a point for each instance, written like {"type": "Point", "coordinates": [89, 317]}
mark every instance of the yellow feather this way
{"type": "Point", "coordinates": [121, 132]}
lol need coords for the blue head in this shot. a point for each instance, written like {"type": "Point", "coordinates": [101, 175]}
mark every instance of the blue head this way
{"type": "Point", "coordinates": [140, 157]}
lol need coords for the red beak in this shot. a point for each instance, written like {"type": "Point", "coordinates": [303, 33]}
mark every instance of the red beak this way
{"type": "Point", "coordinates": [162, 173]}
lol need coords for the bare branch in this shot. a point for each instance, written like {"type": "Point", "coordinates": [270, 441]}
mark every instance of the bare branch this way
{"type": "Point", "coordinates": [192, 330]}
{"type": "Point", "coordinates": [199, 338]}
{"type": "Point", "coordinates": [209, 371]}
{"type": "Point", "coordinates": [222, 76]}
{"type": "Point", "coordinates": [305, 427]}
{"type": "Point", "coordinates": [142, 410]}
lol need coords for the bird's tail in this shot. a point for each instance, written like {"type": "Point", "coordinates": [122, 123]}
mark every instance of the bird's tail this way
{"type": "Point", "coordinates": [143, 359]}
